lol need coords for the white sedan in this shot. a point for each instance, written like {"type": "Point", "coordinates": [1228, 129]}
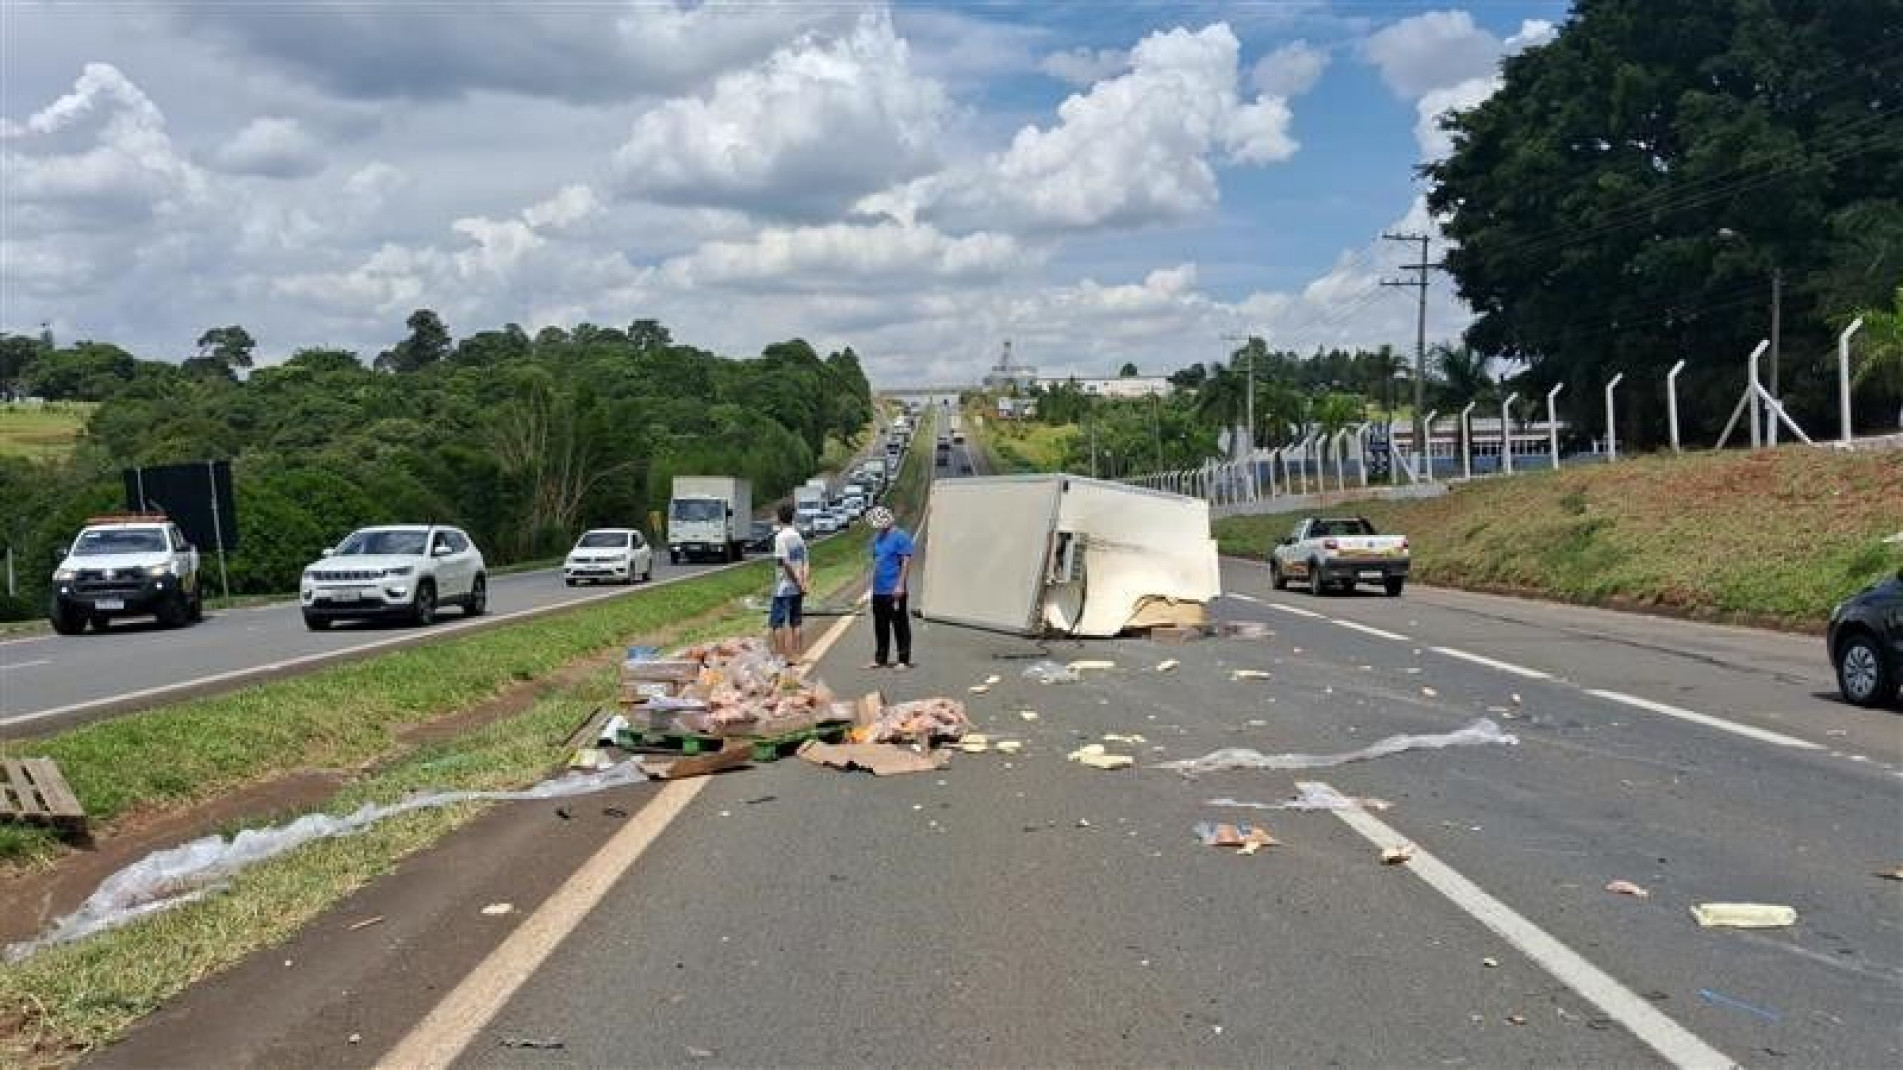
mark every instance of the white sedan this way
{"type": "Point", "coordinates": [609, 555]}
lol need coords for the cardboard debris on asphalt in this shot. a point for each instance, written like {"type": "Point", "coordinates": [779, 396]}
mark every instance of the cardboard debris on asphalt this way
{"type": "Point", "coordinates": [1248, 839]}
{"type": "Point", "coordinates": [879, 759]}
{"type": "Point", "coordinates": [1096, 757]}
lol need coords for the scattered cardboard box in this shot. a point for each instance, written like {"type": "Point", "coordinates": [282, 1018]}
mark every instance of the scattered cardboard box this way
{"type": "Point", "coordinates": [879, 759]}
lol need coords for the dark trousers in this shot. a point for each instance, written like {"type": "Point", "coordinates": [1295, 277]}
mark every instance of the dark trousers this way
{"type": "Point", "coordinates": [888, 619]}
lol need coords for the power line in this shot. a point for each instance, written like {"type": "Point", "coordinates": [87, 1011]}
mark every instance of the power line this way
{"type": "Point", "coordinates": [1419, 281]}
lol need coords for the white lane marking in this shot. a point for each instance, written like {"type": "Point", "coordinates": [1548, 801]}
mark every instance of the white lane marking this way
{"type": "Point", "coordinates": [1244, 598]}
{"type": "Point", "coordinates": [441, 1037]}
{"type": "Point", "coordinates": [1677, 1044]}
{"type": "Point", "coordinates": [1763, 735]}
{"type": "Point", "coordinates": [1503, 666]}
{"type": "Point", "coordinates": [1376, 632]}
{"type": "Point", "coordinates": [25, 639]}
{"type": "Point", "coordinates": [1292, 609]}
{"type": "Point", "coordinates": [449, 1027]}
{"type": "Point", "coordinates": [26, 664]}
{"type": "Point", "coordinates": [415, 638]}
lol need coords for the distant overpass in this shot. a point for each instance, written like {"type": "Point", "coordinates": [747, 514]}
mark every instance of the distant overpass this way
{"type": "Point", "coordinates": [924, 391]}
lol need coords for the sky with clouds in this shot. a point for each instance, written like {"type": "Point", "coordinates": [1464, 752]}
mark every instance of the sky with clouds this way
{"type": "Point", "coordinates": [1096, 182]}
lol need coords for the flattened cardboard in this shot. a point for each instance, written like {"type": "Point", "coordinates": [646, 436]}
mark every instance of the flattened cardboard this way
{"type": "Point", "coordinates": [879, 759]}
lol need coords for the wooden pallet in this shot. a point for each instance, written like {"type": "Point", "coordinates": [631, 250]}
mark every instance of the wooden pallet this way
{"type": "Point", "coordinates": [765, 748]}
{"type": "Point", "coordinates": [32, 789]}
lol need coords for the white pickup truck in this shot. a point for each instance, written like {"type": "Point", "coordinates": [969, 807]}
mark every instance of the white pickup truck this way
{"type": "Point", "coordinates": [1327, 551]}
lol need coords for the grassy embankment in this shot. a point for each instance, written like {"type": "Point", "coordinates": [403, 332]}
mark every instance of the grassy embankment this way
{"type": "Point", "coordinates": [352, 719]}
{"type": "Point", "coordinates": [42, 431]}
{"type": "Point", "coordinates": [1774, 537]}
{"type": "Point", "coordinates": [1013, 446]}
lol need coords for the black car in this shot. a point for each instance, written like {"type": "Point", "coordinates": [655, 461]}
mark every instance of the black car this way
{"type": "Point", "coordinates": [1866, 643]}
{"type": "Point", "coordinates": [760, 539]}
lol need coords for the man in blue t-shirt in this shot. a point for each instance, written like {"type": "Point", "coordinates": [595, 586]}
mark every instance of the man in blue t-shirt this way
{"type": "Point", "coordinates": [891, 565]}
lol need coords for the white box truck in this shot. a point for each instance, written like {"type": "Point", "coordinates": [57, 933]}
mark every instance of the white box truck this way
{"type": "Point", "coordinates": [1065, 555]}
{"type": "Point", "coordinates": [709, 517]}
{"type": "Point", "coordinates": [808, 502]}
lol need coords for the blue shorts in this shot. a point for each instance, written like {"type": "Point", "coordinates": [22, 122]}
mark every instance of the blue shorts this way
{"type": "Point", "coordinates": [786, 611]}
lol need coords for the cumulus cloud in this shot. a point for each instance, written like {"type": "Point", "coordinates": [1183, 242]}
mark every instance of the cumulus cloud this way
{"type": "Point", "coordinates": [272, 147]}
{"type": "Point", "coordinates": [1446, 62]}
{"type": "Point", "coordinates": [819, 123]}
{"type": "Point", "coordinates": [1290, 70]}
{"type": "Point", "coordinates": [886, 255]}
{"type": "Point", "coordinates": [1432, 51]}
{"type": "Point", "coordinates": [98, 156]}
{"type": "Point", "coordinates": [1083, 67]}
{"type": "Point", "coordinates": [582, 52]}
{"type": "Point", "coordinates": [1135, 149]}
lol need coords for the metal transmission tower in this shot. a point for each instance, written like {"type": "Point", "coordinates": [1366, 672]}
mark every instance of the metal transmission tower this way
{"type": "Point", "coordinates": [1419, 281]}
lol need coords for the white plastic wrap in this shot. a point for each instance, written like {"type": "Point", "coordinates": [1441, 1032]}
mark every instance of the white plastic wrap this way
{"type": "Point", "coordinates": [177, 875]}
{"type": "Point", "coordinates": [1479, 733]}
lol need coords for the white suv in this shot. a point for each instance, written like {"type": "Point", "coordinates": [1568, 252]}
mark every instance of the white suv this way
{"type": "Point", "coordinates": [404, 570]}
{"type": "Point", "coordinates": [609, 555]}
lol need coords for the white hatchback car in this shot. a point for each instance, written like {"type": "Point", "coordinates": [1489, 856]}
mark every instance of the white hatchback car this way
{"type": "Point", "coordinates": [404, 570]}
{"type": "Point", "coordinates": [609, 555]}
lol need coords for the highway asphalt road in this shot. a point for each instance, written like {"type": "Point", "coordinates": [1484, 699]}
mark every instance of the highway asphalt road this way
{"type": "Point", "coordinates": [49, 682]}
{"type": "Point", "coordinates": [1030, 911]}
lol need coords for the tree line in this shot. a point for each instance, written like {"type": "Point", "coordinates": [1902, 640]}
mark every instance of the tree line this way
{"type": "Point", "coordinates": [521, 440]}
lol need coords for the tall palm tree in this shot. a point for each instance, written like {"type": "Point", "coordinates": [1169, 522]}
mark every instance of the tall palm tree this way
{"type": "Point", "coordinates": [1882, 346]}
{"type": "Point", "coordinates": [1463, 376]}
{"type": "Point", "coordinates": [1222, 399]}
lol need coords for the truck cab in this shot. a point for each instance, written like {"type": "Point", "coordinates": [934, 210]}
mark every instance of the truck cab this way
{"type": "Point", "coordinates": [126, 565]}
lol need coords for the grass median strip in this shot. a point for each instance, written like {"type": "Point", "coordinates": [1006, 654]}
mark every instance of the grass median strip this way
{"type": "Point", "coordinates": [67, 1000]}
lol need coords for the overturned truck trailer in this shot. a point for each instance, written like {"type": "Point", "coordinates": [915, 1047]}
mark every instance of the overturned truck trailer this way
{"type": "Point", "coordinates": [1064, 554]}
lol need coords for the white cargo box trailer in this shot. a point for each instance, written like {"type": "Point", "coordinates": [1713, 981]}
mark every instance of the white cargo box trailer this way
{"type": "Point", "coordinates": [1036, 554]}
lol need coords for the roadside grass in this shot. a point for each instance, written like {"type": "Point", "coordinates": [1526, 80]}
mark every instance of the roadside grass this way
{"type": "Point", "coordinates": [68, 1000]}
{"type": "Point", "coordinates": [42, 431]}
{"type": "Point", "coordinates": [1775, 537]}
{"type": "Point", "coordinates": [1028, 446]}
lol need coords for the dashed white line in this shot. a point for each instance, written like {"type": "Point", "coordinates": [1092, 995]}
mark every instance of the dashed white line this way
{"type": "Point", "coordinates": [1292, 609]}
{"type": "Point", "coordinates": [1763, 735]}
{"type": "Point", "coordinates": [1503, 666]}
{"type": "Point", "coordinates": [1251, 599]}
{"type": "Point", "coordinates": [26, 664]}
{"type": "Point", "coordinates": [1366, 630]}
{"type": "Point", "coordinates": [1678, 1045]}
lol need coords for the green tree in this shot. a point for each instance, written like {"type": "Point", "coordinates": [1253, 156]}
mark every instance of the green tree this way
{"type": "Point", "coordinates": [1128, 371]}
{"type": "Point", "coordinates": [227, 346]}
{"type": "Point", "coordinates": [428, 343]}
{"type": "Point", "coordinates": [1585, 199]}
{"type": "Point", "coordinates": [17, 353]}
{"type": "Point", "coordinates": [1880, 349]}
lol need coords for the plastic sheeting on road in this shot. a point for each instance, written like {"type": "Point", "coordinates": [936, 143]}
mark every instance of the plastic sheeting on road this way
{"type": "Point", "coordinates": [1479, 733]}
{"type": "Point", "coordinates": [178, 875]}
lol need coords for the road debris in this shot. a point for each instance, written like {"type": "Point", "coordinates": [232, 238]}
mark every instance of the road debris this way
{"type": "Point", "coordinates": [1114, 737]}
{"type": "Point", "coordinates": [496, 910]}
{"type": "Point", "coordinates": [1247, 838]}
{"type": "Point", "coordinates": [1627, 888]}
{"type": "Point", "coordinates": [1397, 855]}
{"type": "Point", "coordinates": [1248, 674]}
{"type": "Point", "coordinates": [1430, 692]}
{"type": "Point", "coordinates": [918, 721]}
{"type": "Point", "coordinates": [1050, 672]}
{"type": "Point", "coordinates": [879, 759]}
{"type": "Point", "coordinates": [1892, 874]}
{"type": "Point", "coordinates": [1311, 796]}
{"type": "Point", "coordinates": [1744, 915]}
{"type": "Point", "coordinates": [1517, 1019]}
{"type": "Point", "coordinates": [1167, 665]}
{"type": "Point", "coordinates": [1490, 962]}
{"type": "Point", "coordinates": [534, 1043]}
{"type": "Point", "coordinates": [1244, 629]}
{"type": "Point", "coordinates": [992, 679]}
{"type": "Point", "coordinates": [366, 923]}
{"type": "Point", "coordinates": [1719, 999]}
{"type": "Point", "coordinates": [1027, 715]}
{"type": "Point", "coordinates": [1480, 732]}
{"type": "Point", "coordinates": [1091, 663]}
{"type": "Point", "coordinates": [1009, 746]}
{"type": "Point", "coordinates": [699, 1053]}
{"type": "Point", "coordinates": [1096, 757]}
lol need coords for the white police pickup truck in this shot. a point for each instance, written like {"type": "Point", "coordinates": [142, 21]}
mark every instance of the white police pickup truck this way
{"type": "Point", "coordinates": [126, 565]}
{"type": "Point", "coordinates": [1339, 551]}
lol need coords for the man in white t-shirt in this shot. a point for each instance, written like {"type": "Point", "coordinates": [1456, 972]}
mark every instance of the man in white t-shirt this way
{"type": "Point", "coordinates": [789, 588]}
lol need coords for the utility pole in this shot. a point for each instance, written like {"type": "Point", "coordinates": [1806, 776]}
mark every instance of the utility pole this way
{"type": "Point", "coordinates": [1419, 282]}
